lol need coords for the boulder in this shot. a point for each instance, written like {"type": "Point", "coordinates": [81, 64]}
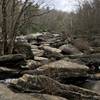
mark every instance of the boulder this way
{"type": "Point", "coordinates": [7, 94]}
{"type": "Point", "coordinates": [6, 73]}
{"type": "Point", "coordinates": [12, 60]}
{"type": "Point", "coordinates": [25, 49]}
{"type": "Point", "coordinates": [38, 52]}
{"type": "Point", "coordinates": [51, 49]}
{"type": "Point", "coordinates": [91, 60]}
{"type": "Point", "coordinates": [43, 84]}
{"type": "Point", "coordinates": [32, 37]}
{"type": "Point", "coordinates": [42, 60]}
{"type": "Point", "coordinates": [82, 45]}
{"type": "Point", "coordinates": [62, 71]}
{"type": "Point", "coordinates": [31, 64]}
{"type": "Point", "coordinates": [69, 49]}
{"type": "Point", "coordinates": [52, 52]}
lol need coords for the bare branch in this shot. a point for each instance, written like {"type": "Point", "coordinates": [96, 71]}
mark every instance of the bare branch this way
{"type": "Point", "coordinates": [35, 15]}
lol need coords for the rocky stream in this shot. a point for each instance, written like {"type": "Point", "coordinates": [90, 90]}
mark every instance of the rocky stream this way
{"type": "Point", "coordinates": [46, 66]}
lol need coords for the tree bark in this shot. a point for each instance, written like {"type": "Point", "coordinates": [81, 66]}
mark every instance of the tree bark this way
{"type": "Point", "coordinates": [4, 28]}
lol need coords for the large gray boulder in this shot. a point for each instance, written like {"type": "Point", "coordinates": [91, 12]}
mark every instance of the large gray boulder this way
{"type": "Point", "coordinates": [69, 49]}
{"type": "Point", "coordinates": [82, 45]}
{"type": "Point", "coordinates": [12, 60]}
{"type": "Point", "coordinates": [7, 94]}
{"type": "Point", "coordinates": [43, 84]}
{"type": "Point", "coordinates": [91, 60]}
{"type": "Point", "coordinates": [51, 52]}
{"type": "Point", "coordinates": [62, 71]}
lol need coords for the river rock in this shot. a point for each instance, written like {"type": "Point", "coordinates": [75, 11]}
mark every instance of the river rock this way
{"type": "Point", "coordinates": [43, 84]}
{"type": "Point", "coordinates": [6, 73]}
{"type": "Point", "coordinates": [31, 37]}
{"type": "Point", "coordinates": [7, 94]}
{"type": "Point", "coordinates": [25, 49]}
{"type": "Point", "coordinates": [31, 64]}
{"type": "Point", "coordinates": [82, 45]}
{"type": "Point", "coordinates": [42, 60]}
{"type": "Point", "coordinates": [12, 60]}
{"type": "Point", "coordinates": [62, 71]}
{"type": "Point", "coordinates": [69, 49]}
{"type": "Point", "coordinates": [52, 52]}
{"type": "Point", "coordinates": [38, 52]}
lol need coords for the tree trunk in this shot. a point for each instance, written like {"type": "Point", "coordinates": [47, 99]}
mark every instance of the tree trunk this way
{"type": "Point", "coordinates": [4, 28]}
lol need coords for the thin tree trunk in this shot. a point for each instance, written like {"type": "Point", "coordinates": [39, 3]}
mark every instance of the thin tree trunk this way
{"type": "Point", "coordinates": [4, 27]}
{"type": "Point", "coordinates": [11, 41]}
{"type": "Point", "coordinates": [15, 27]}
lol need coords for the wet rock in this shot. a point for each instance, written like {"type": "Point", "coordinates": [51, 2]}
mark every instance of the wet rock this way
{"type": "Point", "coordinates": [12, 60]}
{"type": "Point", "coordinates": [31, 64]}
{"type": "Point", "coordinates": [38, 52]}
{"type": "Point", "coordinates": [43, 84]}
{"type": "Point", "coordinates": [42, 60]}
{"type": "Point", "coordinates": [69, 49]}
{"type": "Point", "coordinates": [32, 37]}
{"type": "Point", "coordinates": [6, 73]}
{"type": "Point", "coordinates": [62, 70]}
{"type": "Point", "coordinates": [82, 45]}
{"type": "Point", "coordinates": [51, 49]}
{"type": "Point", "coordinates": [92, 61]}
{"type": "Point", "coordinates": [7, 94]}
{"type": "Point", "coordinates": [52, 52]}
{"type": "Point", "coordinates": [25, 49]}
{"type": "Point", "coordinates": [55, 39]}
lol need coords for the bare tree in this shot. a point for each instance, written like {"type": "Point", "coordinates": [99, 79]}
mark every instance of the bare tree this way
{"type": "Point", "coordinates": [12, 17]}
{"type": "Point", "coordinates": [87, 18]}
